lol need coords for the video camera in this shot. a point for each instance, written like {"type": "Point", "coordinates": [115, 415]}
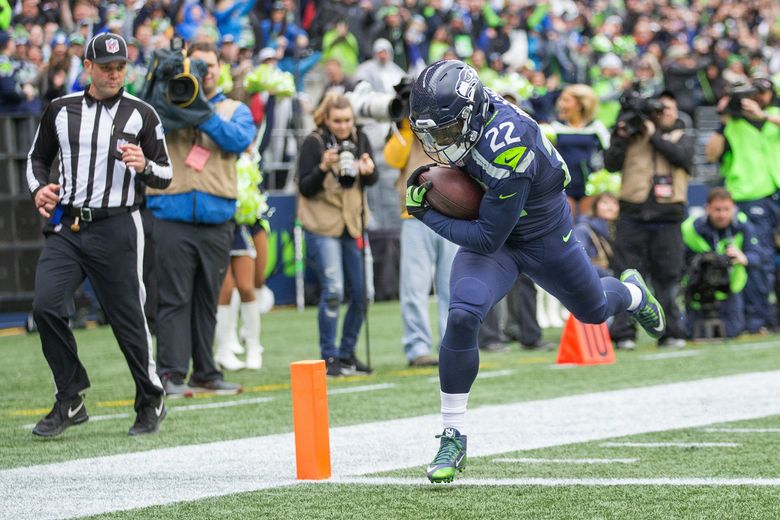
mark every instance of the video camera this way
{"type": "Point", "coordinates": [635, 109]}
{"type": "Point", "coordinates": [737, 92]}
{"type": "Point", "coordinates": [371, 106]}
{"type": "Point", "coordinates": [708, 276]}
{"type": "Point", "coordinates": [173, 81]}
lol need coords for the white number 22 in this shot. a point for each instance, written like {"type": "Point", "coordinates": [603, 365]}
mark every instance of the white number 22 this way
{"type": "Point", "coordinates": [508, 128]}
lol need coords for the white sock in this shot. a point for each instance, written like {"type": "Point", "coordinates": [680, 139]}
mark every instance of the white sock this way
{"type": "Point", "coordinates": [453, 410]}
{"type": "Point", "coordinates": [250, 316]}
{"type": "Point", "coordinates": [636, 295]}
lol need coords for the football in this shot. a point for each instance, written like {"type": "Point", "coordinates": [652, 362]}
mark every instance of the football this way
{"type": "Point", "coordinates": [453, 192]}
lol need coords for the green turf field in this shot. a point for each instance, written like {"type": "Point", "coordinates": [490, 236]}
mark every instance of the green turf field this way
{"type": "Point", "coordinates": [397, 392]}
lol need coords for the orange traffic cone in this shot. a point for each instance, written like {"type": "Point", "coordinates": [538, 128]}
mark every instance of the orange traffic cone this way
{"type": "Point", "coordinates": [585, 344]}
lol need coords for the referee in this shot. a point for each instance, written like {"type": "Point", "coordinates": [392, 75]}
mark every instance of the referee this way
{"type": "Point", "coordinates": [109, 144]}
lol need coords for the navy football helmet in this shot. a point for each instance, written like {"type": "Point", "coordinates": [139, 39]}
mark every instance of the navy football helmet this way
{"type": "Point", "coordinates": [448, 107]}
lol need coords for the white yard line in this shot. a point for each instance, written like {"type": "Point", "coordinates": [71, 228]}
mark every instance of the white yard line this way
{"type": "Point", "coordinates": [363, 388]}
{"type": "Point", "coordinates": [567, 461]}
{"type": "Point", "coordinates": [741, 430]}
{"type": "Point", "coordinates": [669, 445]}
{"type": "Point", "coordinates": [747, 347]}
{"type": "Point", "coordinates": [184, 473]}
{"type": "Point", "coordinates": [670, 355]}
{"type": "Point", "coordinates": [555, 482]}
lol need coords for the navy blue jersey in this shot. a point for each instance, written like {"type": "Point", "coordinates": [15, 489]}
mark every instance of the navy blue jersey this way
{"type": "Point", "coordinates": [523, 176]}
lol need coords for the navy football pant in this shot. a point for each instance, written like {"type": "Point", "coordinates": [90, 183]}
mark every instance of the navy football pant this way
{"type": "Point", "coordinates": [478, 281]}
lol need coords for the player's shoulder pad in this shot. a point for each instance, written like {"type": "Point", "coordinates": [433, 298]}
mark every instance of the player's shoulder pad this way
{"type": "Point", "coordinates": [507, 141]}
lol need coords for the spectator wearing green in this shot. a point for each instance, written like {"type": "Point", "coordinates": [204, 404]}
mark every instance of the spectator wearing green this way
{"type": "Point", "coordinates": [340, 44]}
{"type": "Point", "coordinates": [747, 147]}
{"type": "Point", "coordinates": [726, 232]}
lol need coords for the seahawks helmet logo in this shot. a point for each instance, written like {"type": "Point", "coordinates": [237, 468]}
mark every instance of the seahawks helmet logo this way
{"type": "Point", "coordinates": [467, 83]}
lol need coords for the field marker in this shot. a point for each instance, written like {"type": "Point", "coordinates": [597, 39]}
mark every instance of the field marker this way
{"type": "Point", "coordinates": [670, 355]}
{"type": "Point", "coordinates": [557, 482]}
{"type": "Point", "coordinates": [566, 461]}
{"type": "Point", "coordinates": [741, 430]}
{"type": "Point", "coordinates": [310, 419]}
{"type": "Point", "coordinates": [124, 481]}
{"type": "Point", "coordinates": [669, 445]}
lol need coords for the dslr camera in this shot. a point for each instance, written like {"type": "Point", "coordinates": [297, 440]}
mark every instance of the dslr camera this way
{"type": "Point", "coordinates": [635, 109]}
{"type": "Point", "coordinates": [347, 168]}
{"type": "Point", "coordinates": [172, 87]}
{"type": "Point", "coordinates": [737, 92]}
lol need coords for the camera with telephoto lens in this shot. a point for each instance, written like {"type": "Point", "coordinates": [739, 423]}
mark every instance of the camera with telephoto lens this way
{"type": "Point", "coordinates": [635, 109]}
{"type": "Point", "coordinates": [737, 92]}
{"type": "Point", "coordinates": [372, 106]}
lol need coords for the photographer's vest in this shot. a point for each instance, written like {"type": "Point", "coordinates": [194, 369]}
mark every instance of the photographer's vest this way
{"type": "Point", "coordinates": [751, 166]}
{"type": "Point", "coordinates": [218, 176]}
{"type": "Point", "coordinates": [642, 163]}
{"type": "Point", "coordinates": [334, 208]}
{"type": "Point", "coordinates": [698, 244]}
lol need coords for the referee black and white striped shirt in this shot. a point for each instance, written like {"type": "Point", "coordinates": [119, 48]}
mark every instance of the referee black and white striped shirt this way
{"type": "Point", "coordinates": [86, 134]}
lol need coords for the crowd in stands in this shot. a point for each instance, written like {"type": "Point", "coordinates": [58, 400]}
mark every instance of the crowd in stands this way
{"type": "Point", "coordinates": [539, 54]}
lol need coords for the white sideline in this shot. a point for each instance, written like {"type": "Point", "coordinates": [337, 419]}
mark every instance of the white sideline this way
{"type": "Point", "coordinates": [564, 461]}
{"type": "Point", "coordinates": [741, 430]}
{"type": "Point", "coordinates": [185, 473]}
{"type": "Point", "coordinates": [531, 481]}
{"type": "Point", "coordinates": [669, 445]}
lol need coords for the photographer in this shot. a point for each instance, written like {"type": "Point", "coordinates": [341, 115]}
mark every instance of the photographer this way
{"type": "Point", "coordinates": [651, 149]}
{"type": "Point", "coordinates": [729, 235]}
{"type": "Point", "coordinates": [747, 147]}
{"type": "Point", "coordinates": [334, 164]}
{"type": "Point", "coordinates": [193, 227]}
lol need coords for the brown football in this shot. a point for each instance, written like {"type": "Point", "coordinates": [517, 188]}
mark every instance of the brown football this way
{"type": "Point", "coordinates": [453, 193]}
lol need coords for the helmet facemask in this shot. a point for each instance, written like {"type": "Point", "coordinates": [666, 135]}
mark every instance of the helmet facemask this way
{"type": "Point", "coordinates": [450, 142]}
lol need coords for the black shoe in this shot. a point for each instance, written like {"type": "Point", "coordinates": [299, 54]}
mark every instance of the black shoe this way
{"type": "Point", "coordinates": [540, 346]}
{"type": "Point", "coordinates": [354, 365]}
{"type": "Point", "coordinates": [62, 415]}
{"type": "Point", "coordinates": [215, 386]}
{"type": "Point", "coordinates": [335, 368]}
{"type": "Point", "coordinates": [149, 418]}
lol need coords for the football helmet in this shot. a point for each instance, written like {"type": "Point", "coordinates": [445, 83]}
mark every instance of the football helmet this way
{"type": "Point", "coordinates": [448, 107]}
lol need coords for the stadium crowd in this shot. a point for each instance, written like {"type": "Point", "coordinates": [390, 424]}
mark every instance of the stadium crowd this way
{"type": "Point", "coordinates": [598, 56]}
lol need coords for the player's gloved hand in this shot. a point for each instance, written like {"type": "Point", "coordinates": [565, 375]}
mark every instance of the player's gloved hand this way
{"type": "Point", "coordinates": [416, 205]}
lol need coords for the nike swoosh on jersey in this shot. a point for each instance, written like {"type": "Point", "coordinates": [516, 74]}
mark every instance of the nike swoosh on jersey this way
{"type": "Point", "coordinates": [158, 409]}
{"type": "Point", "coordinates": [567, 236]}
{"type": "Point", "coordinates": [502, 196]}
{"type": "Point", "coordinates": [72, 413]}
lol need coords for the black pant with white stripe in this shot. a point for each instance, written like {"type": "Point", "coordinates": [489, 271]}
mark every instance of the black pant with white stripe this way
{"type": "Point", "coordinates": [109, 252]}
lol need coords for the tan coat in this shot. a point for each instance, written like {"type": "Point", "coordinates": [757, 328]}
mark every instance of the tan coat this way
{"type": "Point", "coordinates": [219, 174]}
{"type": "Point", "coordinates": [642, 163]}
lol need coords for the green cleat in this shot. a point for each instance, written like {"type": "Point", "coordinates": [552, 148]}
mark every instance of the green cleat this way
{"type": "Point", "coordinates": [649, 314]}
{"type": "Point", "coordinates": [451, 456]}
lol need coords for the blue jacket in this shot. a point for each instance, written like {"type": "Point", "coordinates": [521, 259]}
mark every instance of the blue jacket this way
{"type": "Point", "coordinates": [232, 136]}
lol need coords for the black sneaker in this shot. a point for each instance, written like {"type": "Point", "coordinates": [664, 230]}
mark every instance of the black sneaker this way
{"type": "Point", "coordinates": [62, 415]}
{"type": "Point", "coordinates": [215, 386]}
{"type": "Point", "coordinates": [355, 366]}
{"type": "Point", "coordinates": [149, 418]}
{"type": "Point", "coordinates": [335, 368]}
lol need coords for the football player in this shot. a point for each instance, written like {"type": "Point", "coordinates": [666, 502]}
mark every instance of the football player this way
{"type": "Point", "coordinates": [524, 225]}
